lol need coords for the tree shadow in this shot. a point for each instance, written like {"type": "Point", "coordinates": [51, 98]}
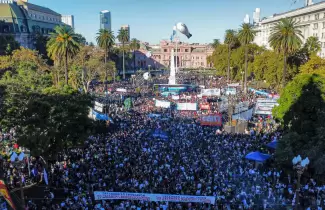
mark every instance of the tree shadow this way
{"type": "Point", "coordinates": [302, 109]}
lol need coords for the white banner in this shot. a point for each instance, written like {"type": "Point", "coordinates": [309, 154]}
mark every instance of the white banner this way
{"type": "Point", "coordinates": [175, 97]}
{"type": "Point", "coordinates": [163, 104]}
{"type": "Point", "coordinates": [209, 92]}
{"type": "Point", "coordinates": [102, 195]}
{"type": "Point", "coordinates": [121, 90]}
{"type": "Point", "coordinates": [187, 106]}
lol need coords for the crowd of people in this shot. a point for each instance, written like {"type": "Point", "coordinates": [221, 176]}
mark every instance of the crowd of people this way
{"type": "Point", "coordinates": [193, 160]}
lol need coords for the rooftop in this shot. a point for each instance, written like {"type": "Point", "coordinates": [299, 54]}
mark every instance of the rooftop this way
{"type": "Point", "coordinates": [38, 8]}
{"type": "Point", "coordinates": [296, 12]}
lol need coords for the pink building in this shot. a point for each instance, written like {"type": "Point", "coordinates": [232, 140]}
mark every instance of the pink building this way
{"type": "Point", "coordinates": [188, 55]}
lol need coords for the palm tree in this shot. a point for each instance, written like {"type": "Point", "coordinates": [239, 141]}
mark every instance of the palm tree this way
{"type": "Point", "coordinates": [230, 40]}
{"type": "Point", "coordinates": [246, 35]}
{"type": "Point", "coordinates": [63, 42]}
{"type": "Point", "coordinates": [215, 44]}
{"type": "Point", "coordinates": [286, 38]}
{"type": "Point", "coordinates": [105, 39]}
{"type": "Point", "coordinates": [313, 45]}
{"type": "Point", "coordinates": [134, 46]}
{"type": "Point", "coordinates": [123, 37]}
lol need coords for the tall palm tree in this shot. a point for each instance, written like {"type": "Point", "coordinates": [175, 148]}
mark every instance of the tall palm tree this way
{"type": "Point", "coordinates": [105, 39]}
{"type": "Point", "coordinates": [123, 37]}
{"type": "Point", "coordinates": [134, 46]}
{"type": "Point", "coordinates": [215, 44]}
{"type": "Point", "coordinates": [63, 42]}
{"type": "Point", "coordinates": [285, 38]}
{"type": "Point", "coordinates": [313, 45]}
{"type": "Point", "coordinates": [230, 40]}
{"type": "Point", "coordinates": [246, 35]}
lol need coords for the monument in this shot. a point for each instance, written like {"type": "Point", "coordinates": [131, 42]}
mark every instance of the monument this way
{"type": "Point", "coordinates": [182, 28]}
{"type": "Point", "coordinates": [172, 73]}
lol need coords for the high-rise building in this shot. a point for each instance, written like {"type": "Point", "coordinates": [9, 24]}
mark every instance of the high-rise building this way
{"type": "Point", "coordinates": [308, 2]}
{"type": "Point", "coordinates": [105, 20]}
{"type": "Point", "coordinates": [126, 27]}
{"type": "Point", "coordinates": [256, 15]}
{"type": "Point", "coordinates": [246, 19]}
{"type": "Point", "coordinates": [68, 19]}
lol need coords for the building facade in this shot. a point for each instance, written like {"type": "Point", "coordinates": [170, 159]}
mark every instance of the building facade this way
{"type": "Point", "coordinates": [105, 20]}
{"type": "Point", "coordinates": [189, 56]}
{"type": "Point", "coordinates": [310, 18]}
{"type": "Point", "coordinates": [68, 19]}
{"type": "Point", "coordinates": [23, 20]}
{"type": "Point", "coordinates": [126, 27]}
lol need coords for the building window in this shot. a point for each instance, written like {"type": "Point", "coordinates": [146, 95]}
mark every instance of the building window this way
{"type": "Point", "coordinates": [165, 50]}
{"type": "Point", "coordinates": [323, 24]}
{"type": "Point", "coordinates": [303, 18]}
{"type": "Point", "coordinates": [315, 25]}
{"type": "Point", "coordinates": [316, 16]}
{"type": "Point", "coordinates": [178, 50]}
{"type": "Point", "coordinates": [186, 50]}
{"type": "Point", "coordinates": [323, 35]}
{"type": "Point", "coordinates": [308, 17]}
{"type": "Point", "coordinates": [201, 63]}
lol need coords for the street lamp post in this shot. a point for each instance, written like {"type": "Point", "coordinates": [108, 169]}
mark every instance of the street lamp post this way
{"type": "Point", "coordinates": [300, 166]}
{"type": "Point", "coordinates": [242, 81]}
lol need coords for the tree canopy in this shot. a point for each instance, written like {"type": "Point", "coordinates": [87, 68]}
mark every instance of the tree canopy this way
{"type": "Point", "coordinates": [301, 112]}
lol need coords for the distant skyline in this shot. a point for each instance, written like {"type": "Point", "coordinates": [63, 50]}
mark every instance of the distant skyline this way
{"type": "Point", "coordinates": [152, 21]}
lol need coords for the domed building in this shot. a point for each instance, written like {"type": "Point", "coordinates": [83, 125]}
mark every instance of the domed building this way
{"type": "Point", "coordinates": [23, 20]}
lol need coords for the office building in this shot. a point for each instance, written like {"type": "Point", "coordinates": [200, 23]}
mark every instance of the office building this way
{"type": "Point", "coordinates": [126, 27]}
{"type": "Point", "coordinates": [256, 16]}
{"type": "Point", "coordinates": [23, 20]}
{"type": "Point", "coordinates": [68, 19]}
{"type": "Point", "coordinates": [310, 18]}
{"type": "Point", "coordinates": [246, 19]}
{"type": "Point", "coordinates": [105, 20]}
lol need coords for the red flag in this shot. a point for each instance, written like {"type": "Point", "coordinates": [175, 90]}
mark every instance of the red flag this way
{"type": "Point", "coordinates": [16, 146]}
{"type": "Point", "coordinates": [4, 192]}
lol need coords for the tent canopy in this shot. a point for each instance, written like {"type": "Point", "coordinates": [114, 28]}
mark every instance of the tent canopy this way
{"type": "Point", "coordinates": [272, 144]}
{"type": "Point", "coordinates": [257, 156]}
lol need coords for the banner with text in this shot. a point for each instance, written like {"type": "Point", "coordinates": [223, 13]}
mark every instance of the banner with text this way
{"type": "Point", "coordinates": [102, 195]}
{"type": "Point", "coordinates": [163, 104]}
{"type": "Point", "coordinates": [211, 120]}
{"type": "Point", "coordinates": [187, 106]}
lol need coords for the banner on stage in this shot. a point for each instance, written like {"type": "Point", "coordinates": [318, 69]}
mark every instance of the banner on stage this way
{"type": "Point", "coordinates": [211, 120]}
{"type": "Point", "coordinates": [102, 195]}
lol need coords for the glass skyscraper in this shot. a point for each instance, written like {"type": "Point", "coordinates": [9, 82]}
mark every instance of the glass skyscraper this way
{"type": "Point", "coordinates": [105, 20]}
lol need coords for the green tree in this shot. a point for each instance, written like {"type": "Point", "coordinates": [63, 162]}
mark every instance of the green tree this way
{"type": "Point", "coordinates": [230, 40]}
{"type": "Point", "coordinates": [315, 65]}
{"type": "Point", "coordinates": [8, 44]}
{"type": "Point", "coordinates": [105, 39]}
{"type": "Point", "coordinates": [246, 35]}
{"type": "Point", "coordinates": [134, 46]}
{"type": "Point", "coordinates": [301, 112]}
{"type": "Point", "coordinates": [215, 43]}
{"type": "Point", "coordinates": [40, 42]}
{"type": "Point", "coordinates": [63, 43]}
{"type": "Point", "coordinates": [123, 37]}
{"type": "Point", "coordinates": [286, 38]}
{"type": "Point", "coordinates": [81, 39]}
{"type": "Point", "coordinates": [312, 45]}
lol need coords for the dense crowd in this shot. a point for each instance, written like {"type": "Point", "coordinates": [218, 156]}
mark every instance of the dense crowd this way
{"type": "Point", "coordinates": [192, 160]}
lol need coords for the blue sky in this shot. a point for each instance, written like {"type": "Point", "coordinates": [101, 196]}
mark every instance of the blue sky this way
{"type": "Point", "coordinates": [152, 20]}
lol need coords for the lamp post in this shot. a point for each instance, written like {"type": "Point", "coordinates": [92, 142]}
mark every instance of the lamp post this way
{"type": "Point", "coordinates": [242, 80]}
{"type": "Point", "coordinates": [20, 165]}
{"type": "Point", "coordinates": [299, 166]}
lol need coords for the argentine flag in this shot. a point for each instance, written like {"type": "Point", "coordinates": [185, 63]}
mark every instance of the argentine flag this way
{"type": "Point", "coordinates": [174, 33]}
